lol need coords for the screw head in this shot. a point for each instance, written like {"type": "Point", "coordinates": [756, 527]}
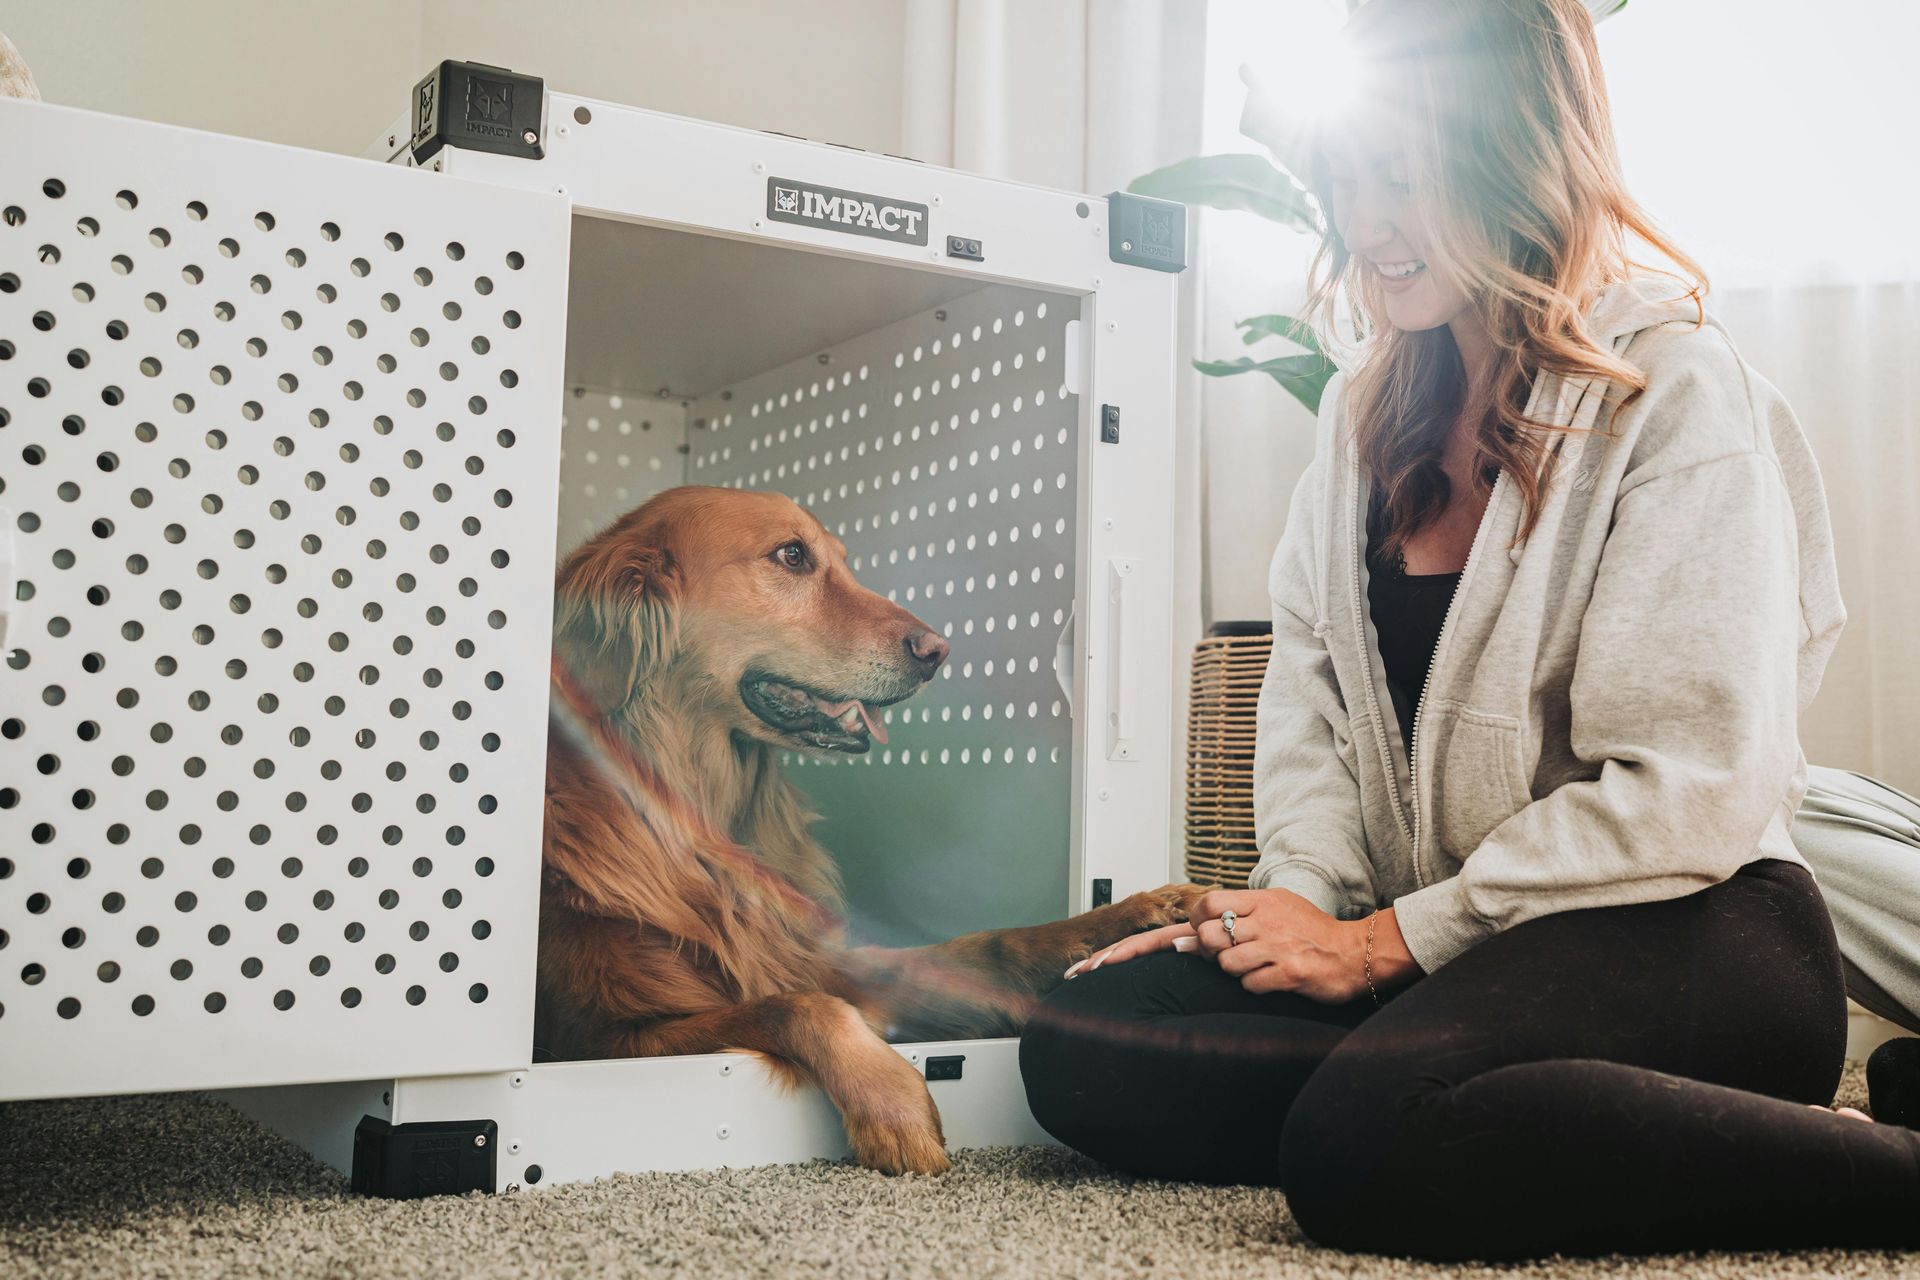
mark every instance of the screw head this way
{"type": "Point", "coordinates": [529, 137]}
{"type": "Point", "coordinates": [726, 1068]}
{"type": "Point", "coordinates": [513, 1148]}
{"type": "Point", "coordinates": [1104, 793]}
{"type": "Point", "coordinates": [517, 1079]}
{"type": "Point", "coordinates": [479, 1139]}
{"type": "Point", "coordinates": [941, 314]}
{"type": "Point", "coordinates": [1126, 244]}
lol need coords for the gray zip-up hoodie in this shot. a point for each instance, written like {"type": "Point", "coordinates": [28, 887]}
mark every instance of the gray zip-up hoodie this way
{"type": "Point", "coordinates": [1612, 711]}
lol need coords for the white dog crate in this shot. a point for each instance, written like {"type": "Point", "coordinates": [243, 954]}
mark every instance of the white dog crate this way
{"type": "Point", "coordinates": [289, 443]}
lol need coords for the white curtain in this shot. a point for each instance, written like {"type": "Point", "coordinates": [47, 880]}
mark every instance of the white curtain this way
{"type": "Point", "coordinates": [1084, 95]}
{"type": "Point", "coordinates": [1773, 139]}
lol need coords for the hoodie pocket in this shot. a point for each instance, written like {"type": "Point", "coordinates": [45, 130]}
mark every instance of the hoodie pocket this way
{"type": "Point", "coordinates": [1480, 780]}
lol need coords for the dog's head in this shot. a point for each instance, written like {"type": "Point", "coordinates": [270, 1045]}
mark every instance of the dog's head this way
{"type": "Point", "coordinates": [742, 602]}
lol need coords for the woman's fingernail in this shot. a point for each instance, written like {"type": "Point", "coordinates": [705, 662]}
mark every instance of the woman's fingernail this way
{"type": "Point", "coordinates": [1073, 968]}
{"type": "Point", "coordinates": [1185, 944]}
{"type": "Point", "coordinates": [1100, 960]}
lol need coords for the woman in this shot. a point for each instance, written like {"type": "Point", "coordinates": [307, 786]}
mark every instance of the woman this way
{"type": "Point", "coordinates": [1530, 963]}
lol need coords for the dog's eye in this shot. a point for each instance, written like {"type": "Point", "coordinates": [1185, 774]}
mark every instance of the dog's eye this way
{"type": "Point", "coordinates": [791, 555]}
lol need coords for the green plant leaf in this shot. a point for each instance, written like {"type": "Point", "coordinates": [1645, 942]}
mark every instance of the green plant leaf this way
{"type": "Point", "coordinates": [1299, 332]}
{"type": "Point", "coordinates": [1304, 378]}
{"type": "Point", "coordinates": [1238, 181]}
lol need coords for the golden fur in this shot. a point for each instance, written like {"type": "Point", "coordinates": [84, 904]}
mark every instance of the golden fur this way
{"type": "Point", "coordinates": [685, 908]}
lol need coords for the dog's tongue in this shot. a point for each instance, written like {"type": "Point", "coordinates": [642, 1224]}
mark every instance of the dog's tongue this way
{"type": "Point", "coordinates": [834, 711]}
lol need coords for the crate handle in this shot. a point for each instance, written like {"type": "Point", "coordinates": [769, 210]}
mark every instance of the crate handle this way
{"type": "Point", "coordinates": [1121, 643]}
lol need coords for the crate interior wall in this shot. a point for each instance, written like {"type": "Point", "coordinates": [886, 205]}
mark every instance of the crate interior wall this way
{"type": "Point", "coordinates": [929, 426]}
{"type": "Point", "coordinates": [933, 413]}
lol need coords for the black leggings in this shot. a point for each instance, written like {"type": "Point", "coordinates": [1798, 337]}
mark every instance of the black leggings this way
{"type": "Point", "coordinates": [1624, 1079]}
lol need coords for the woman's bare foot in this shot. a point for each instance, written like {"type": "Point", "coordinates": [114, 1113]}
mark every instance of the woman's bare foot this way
{"type": "Point", "coordinates": [1854, 1112]}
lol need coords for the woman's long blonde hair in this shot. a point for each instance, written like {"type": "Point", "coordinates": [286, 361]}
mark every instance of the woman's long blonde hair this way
{"type": "Point", "coordinates": [1511, 158]}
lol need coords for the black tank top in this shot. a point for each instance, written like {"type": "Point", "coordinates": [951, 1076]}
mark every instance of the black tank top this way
{"type": "Point", "coordinates": [1408, 611]}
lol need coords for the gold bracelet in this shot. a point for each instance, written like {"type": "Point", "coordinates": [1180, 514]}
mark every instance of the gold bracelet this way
{"type": "Point", "coordinates": [1369, 965]}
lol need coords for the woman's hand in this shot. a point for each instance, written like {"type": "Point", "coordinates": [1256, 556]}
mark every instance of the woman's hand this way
{"type": "Point", "coordinates": [1281, 942]}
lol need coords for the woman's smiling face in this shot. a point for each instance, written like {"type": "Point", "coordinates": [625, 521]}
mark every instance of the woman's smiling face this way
{"type": "Point", "coordinates": [1381, 224]}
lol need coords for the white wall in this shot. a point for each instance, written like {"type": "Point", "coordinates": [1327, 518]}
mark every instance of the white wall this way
{"type": "Point", "coordinates": [330, 76]}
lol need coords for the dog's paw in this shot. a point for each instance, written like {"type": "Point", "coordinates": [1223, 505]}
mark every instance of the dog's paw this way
{"type": "Point", "coordinates": [1169, 904]}
{"type": "Point", "coordinates": [893, 1125]}
{"type": "Point", "coordinates": [898, 1150]}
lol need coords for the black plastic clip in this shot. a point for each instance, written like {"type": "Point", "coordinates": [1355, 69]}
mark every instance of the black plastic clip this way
{"type": "Point", "coordinates": [432, 1158]}
{"type": "Point", "coordinates": [1144, 231]}
{"type": "Point", "coordinates": [479, 108]}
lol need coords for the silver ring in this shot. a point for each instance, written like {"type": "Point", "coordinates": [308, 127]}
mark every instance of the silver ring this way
{"type": "Point", "coordinates": [1226, 922]}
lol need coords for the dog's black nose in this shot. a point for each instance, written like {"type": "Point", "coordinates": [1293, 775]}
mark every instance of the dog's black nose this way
{"type": "Point", "coordinates": [926, 651]}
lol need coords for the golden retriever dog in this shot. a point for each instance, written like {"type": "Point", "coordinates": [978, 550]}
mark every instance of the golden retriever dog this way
{"type": "Point", "coordinates": [684, 907]}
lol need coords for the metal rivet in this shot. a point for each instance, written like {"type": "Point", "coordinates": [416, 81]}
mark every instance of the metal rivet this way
{"type": "Point", "coordinates": [513, 1148]}
{"type": "Point", "coordinates": [724, 1130]}
{"type": "Point", "coordinates": [726, 1068]}
{"type": "Point", "coordinates": [1096, 282]}
{"type": "Point", "coordinates": [1104, 793]}
{"type": "Point", "coordinates": [757, 224]}
{"type": "Point", "coordinates": [565, 131]}
{"type": "Point", "coordinates": [517, 1079]}
{"type": "Point", "coordinates": [529, 137]}
{"type": "Point", "coordinates": [759, 166]}
{"type": "Point", "coordinates": [933, 252]}
{"type": "Point", "coordinates": [1107, 523]}
{"type": "Point", "coordinates": [936, 199]}
{"type": "Point", "coordinates": [1113, 326]}
{"type": "Point", "coordinates": [479, 1139]}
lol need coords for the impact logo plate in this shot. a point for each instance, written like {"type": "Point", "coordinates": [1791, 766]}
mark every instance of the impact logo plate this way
{"type": "Point", "coordinates": [854, 212]}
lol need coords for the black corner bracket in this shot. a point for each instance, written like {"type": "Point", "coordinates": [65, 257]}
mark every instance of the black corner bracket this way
{"type": "Point", "coordinates": [480, 108]}
{"type": "Point", "coordinates": [433, 1158]}
{"type": "Point", "coordinates": [1143, 231]}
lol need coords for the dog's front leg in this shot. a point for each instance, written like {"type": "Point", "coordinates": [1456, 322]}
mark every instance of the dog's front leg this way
{"type": "Point", "coordinates": [984, 984]}
{"type": "Point", "coordinates": [892, 1124]}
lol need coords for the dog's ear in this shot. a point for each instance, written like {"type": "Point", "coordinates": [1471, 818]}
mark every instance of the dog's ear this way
{"type": "Point", "coordinates": [614, 616]}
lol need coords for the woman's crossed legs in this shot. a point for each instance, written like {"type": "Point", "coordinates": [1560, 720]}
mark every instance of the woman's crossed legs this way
{"type": "Point", "coordinates": [1617, 1079]}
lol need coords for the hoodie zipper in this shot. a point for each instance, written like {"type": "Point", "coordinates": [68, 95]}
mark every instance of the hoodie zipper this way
{"type": "Point", "coordinates": [1412, 833]}
{"type": "Point", "coordinates": [1439, 648]}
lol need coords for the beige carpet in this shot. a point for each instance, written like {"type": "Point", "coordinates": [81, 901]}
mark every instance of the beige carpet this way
{"type": "Point", "coordinates": [179, 1186]}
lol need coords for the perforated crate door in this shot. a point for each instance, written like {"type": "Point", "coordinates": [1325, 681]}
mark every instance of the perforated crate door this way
{"type": "Point", "coordinates": [942, 450]}
{"type": "Point", "coordinates": [278, 436]}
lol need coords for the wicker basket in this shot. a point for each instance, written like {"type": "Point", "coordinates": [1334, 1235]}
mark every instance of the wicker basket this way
{"type": "Point", "coordinates": [1228, 667]}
